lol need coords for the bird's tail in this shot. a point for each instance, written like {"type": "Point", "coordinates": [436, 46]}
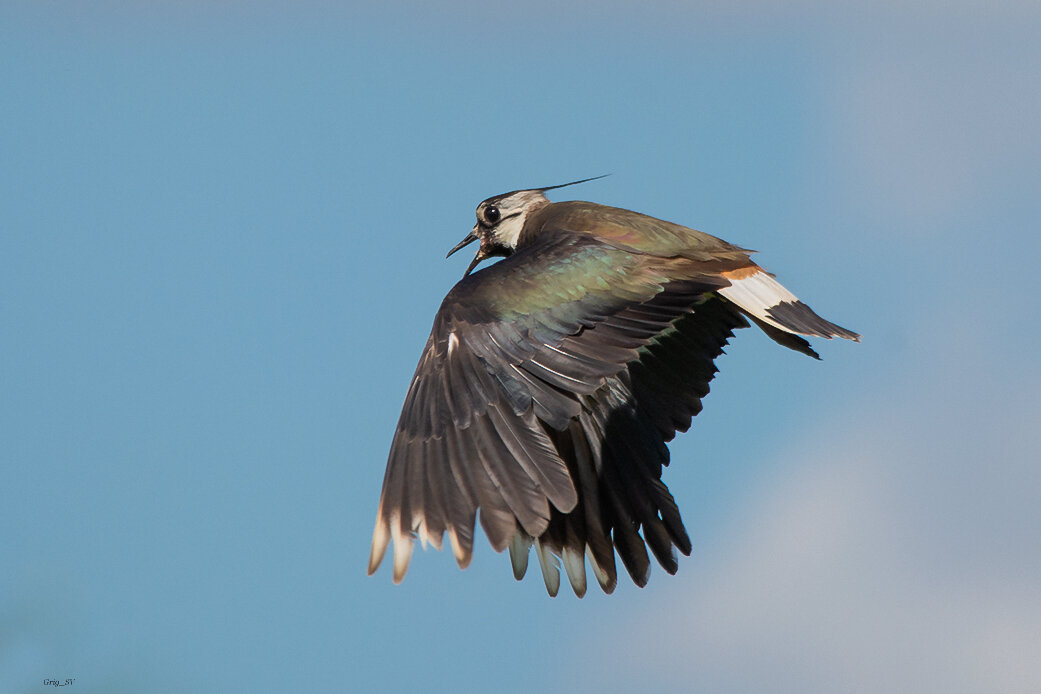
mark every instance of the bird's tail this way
{"type": "Point", "coordinates": [776, 310]}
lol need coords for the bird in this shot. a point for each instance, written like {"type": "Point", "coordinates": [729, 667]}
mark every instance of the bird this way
{"type": "Point", "coordinates": [553, 380]}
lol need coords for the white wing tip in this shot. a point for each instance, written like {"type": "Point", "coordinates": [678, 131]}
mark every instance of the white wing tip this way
{"type": "Point", "coordinates": [380, 539]}
{"type": "Point", "coordinates": [575, 566]}
{"type": "Point", "coordinates": [603, 577]}
{"type": "Point", "coordinates": [402, 548]}
{"type": "Point", "coordinates": [462, 557]}
{"type": "Point", "coordinates": [520, 547]}
{"type": "Point", "coordinates": [550, 569]}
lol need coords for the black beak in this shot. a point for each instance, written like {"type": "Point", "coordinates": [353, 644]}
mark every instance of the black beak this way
{"type": "Point", "coordinates": [470, 238]}
{"type": "Point", "coordinates": [473, 263]}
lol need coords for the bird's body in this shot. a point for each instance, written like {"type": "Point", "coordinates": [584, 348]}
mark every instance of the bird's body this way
{"type": "Point", "coordinates": [553, 379]}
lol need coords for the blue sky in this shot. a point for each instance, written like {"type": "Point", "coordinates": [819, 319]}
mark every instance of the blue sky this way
{"type": "Point", "coordinates": [221, 249]}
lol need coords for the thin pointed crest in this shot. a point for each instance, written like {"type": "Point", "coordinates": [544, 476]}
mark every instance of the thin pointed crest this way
{"type": "Point", "coordinates": [573, 183]}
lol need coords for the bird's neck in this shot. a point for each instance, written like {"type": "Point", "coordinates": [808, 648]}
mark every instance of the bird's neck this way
{"type": "Point", "coordinates": [534, 220]}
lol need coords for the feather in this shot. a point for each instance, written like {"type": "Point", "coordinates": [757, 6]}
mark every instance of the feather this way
{"type": "Point", "coordinates": [575, 567]}
{"type": "Point", "coordinates": [550, 568]}
{"type": "Point", "coordinates": [519, 550]}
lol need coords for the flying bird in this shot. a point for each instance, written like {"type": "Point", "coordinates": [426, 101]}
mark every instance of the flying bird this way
{"type": "Point", "coordinates": [553, 379]}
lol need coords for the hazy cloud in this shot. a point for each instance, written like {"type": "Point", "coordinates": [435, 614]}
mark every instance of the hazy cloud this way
{"type": "Point", "coordinates": [895, 551]}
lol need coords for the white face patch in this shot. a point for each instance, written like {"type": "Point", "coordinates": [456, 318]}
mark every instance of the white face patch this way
{"type": "Point", "coordinates": [508, 231]}
{"type": "Point", "coordinates": [514, 210]}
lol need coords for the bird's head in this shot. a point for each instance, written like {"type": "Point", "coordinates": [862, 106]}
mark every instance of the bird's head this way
{"type": "Point", "coordinates": [500, 220]}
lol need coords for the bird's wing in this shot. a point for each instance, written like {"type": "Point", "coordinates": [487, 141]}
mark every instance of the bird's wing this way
{"type": "Point", "coordinates": [518, 353]}
{"type": "Point", "coordinates": [617, 446]}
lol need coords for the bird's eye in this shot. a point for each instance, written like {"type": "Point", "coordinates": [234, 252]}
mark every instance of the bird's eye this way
{"type": "Point", "coordinates": [492, 214]}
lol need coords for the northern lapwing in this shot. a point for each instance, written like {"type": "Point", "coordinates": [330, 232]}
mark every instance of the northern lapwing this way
{"type": "Point", "coordinates": [553, 379]}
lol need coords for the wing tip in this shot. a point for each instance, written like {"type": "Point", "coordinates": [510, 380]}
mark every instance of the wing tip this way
{"type": "Point", "coordinates": [607, 577]}
{"type": "Point", "coordinates": [520, 546]}
{"type": "Point", "coordinates": [402, 546]}
{"type": "Point", "coordinates": [380, 540]}
{"type": "Point", "coordinates": [402, 557]}
{"type": "Point", "coordinates": [575, 567]}
{"type": "Point", "coordinates": [463, 553]}
{"type": "Point", "coordinates": [550, 569]}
